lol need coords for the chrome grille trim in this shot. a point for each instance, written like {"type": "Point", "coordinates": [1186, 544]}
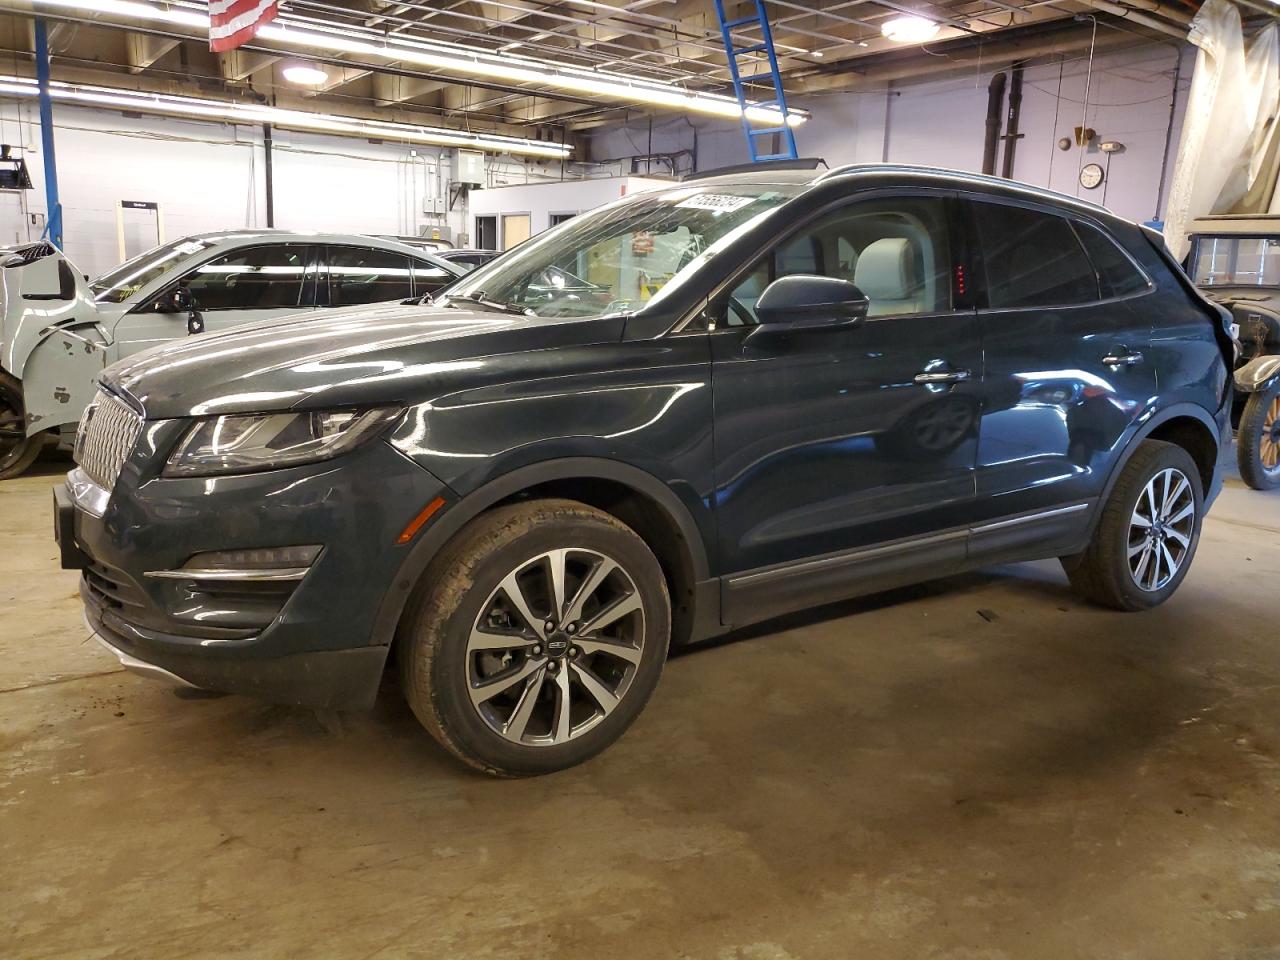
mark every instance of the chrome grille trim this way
{"type": "Point", "coordinates": [108, 432]}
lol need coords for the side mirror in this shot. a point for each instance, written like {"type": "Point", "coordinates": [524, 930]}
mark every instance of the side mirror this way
{"type": "Point", "coordinates": [177, 300]}
{"type": "Point", "coordinates": [805, 302]}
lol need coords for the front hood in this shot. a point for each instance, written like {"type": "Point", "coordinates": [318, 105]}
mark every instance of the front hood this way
{"type": "Point", "coordinates": [371, 355]}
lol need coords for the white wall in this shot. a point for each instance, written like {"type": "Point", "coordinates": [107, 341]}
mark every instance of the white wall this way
{"type": "Point", "coordinates": [210, 176]}
{"type": "Point", "coordinates": [943, 123]}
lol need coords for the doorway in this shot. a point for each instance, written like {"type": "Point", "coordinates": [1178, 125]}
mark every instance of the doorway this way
{"type": "Point", "coordinates": [515, 229]}
{"type": "Point", "coordinates": [139, 227]}
{"type": "Point", "coordinates": [487, 233]}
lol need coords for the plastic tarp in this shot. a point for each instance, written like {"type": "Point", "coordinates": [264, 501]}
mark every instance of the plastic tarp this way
{"type": "Point", "coordinates": [1228, 126]}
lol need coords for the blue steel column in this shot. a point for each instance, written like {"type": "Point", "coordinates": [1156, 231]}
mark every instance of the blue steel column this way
{"type": "Point", "coordinates": [53, 223]}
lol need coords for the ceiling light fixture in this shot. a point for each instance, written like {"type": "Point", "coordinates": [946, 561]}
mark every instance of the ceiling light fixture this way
{"type": "Point", "coordinates": [910, 29]}
{"type": "Point", "coordinates": [304, 75]}
{"type": "Point", "coordinates": [294, 32]}
{"type": "Point", "coordinates": [227, 111]}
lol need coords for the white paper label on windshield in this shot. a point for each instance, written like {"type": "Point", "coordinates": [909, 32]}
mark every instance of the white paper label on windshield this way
{"type": "Point", "coordinates": [723, 202]}
{"type": "Point", "coordinates": [189, 247]}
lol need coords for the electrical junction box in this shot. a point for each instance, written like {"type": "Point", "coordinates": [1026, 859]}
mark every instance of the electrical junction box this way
{"type": "Point", "coordinates": [468, 167]}
{"type": "Point", "coordinates": [434, 206]}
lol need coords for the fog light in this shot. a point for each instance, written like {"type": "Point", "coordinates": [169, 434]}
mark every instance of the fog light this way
{"type": "Point", "coordinates": [259, 558]}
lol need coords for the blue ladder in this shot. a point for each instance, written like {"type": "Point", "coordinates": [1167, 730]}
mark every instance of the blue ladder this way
{"type": "Point", "coordinates": [761, 19]}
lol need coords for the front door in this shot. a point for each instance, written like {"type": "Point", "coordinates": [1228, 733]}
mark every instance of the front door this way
{"type": "Point", "coordinates": [845, 456]}
{"type": "Point", "coordinates": [245, 286]}
{"type": "Point", "coordinates": [1066, 340]}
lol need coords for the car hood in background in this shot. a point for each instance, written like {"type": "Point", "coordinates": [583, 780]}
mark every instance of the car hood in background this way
{"type": "Point", "coordinates": [371, 355]}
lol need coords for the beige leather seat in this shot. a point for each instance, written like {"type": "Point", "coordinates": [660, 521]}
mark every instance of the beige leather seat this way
{"type": "Point", "coordinates": [886, 273]}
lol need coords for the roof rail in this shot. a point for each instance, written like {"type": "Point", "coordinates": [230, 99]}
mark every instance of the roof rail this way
{"type": "Point", "coordinates": [850, 168]}
{"type": "Point", "coordinates": [803, 163]}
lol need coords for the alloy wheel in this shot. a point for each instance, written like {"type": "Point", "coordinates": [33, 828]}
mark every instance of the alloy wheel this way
{"type": "Point", "coordinates": [1270, 445]}
{"type": "Point", "coordinates": [1160, 529]}
{"type": "Point", "coordinates": [13, 433]}
{"type": "Point", "coordinates": [556, 647]}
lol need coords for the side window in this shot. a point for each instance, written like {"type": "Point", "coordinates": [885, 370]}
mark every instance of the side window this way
{"type": "Point", "coordinates": [428, 278]}
{"type": "Point", "coordinates": [363, 275]}
{"type": "Point", "coordinates": [259, 278]}
{"type": "Point", "coordinates": [1031, 259]}
{"type": "Point", "coordinates": [897, 251]}
{"type": "Point", "coordinates": [1117, 275]}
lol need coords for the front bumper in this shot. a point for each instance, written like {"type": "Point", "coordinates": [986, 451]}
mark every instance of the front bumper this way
{"type": "Point", "coordinates": [312, 641]}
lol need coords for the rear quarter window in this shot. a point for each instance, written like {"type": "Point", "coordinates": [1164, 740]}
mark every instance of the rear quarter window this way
{"type": "Point", "coordinates": [1118, 276]}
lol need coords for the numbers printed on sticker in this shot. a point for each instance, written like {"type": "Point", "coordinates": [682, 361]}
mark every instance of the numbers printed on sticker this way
{"type": "Point", "coordinates": [722, 202]}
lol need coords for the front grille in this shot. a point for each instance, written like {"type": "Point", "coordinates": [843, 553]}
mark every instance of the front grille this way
{"type": "Point", "coordinates": [108, 431]}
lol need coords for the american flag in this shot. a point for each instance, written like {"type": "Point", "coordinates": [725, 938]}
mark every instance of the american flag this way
{"type": "Point", "coordinates": [234, 22]}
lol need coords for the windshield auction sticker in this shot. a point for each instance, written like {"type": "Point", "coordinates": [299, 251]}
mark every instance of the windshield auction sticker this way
{"type": "Point", "coordinates": [723, 202]}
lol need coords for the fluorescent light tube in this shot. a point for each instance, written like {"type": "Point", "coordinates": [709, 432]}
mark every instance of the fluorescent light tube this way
{"type": "Point", "coordinates": [251, 113]}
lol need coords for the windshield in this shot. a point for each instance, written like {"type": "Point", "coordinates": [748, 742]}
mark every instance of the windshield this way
{"type": "Point", "coordinates": [624, 256]}
{"type": "Point", "coordinates": [118, 285]}
{"type": "Point", "coordinates": [1237, 262]}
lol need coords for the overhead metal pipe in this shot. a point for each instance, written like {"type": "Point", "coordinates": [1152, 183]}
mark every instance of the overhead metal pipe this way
{"type": "Point", "coordinates": [1011, 134]}
{"type": "Point", "coordinates": [995, 107]}
{"type": "Point", "coordinates": [267, 148]}
{"type": "Point", "coordinates": [1134, 16]}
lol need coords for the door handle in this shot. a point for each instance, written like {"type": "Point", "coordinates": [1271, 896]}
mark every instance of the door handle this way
{"type": "Point", "coordinates": [942, 376]}
{"type": "Point", "coordinates": [1127, 358]}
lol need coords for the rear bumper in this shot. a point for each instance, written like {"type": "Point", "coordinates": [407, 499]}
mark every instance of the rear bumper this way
{"type": "Point", "coordinates": [311, 640]}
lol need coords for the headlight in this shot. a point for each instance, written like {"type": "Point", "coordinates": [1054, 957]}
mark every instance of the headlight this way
{"type": "Point", "coordinates": [265, 441]}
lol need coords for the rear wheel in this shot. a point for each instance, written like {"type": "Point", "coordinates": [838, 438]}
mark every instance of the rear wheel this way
{"type": "Point", "coordinates": [537, 638]}
{"type": "Point", "coordinates": [1258, 443]}
{"type": "Point", "coordinates": [1148, 532]}
{"type": "Point", "coordinates": [17, 450]}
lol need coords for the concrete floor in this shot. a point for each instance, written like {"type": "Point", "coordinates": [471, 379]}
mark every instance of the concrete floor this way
{"type": "Point", "coordinates": [981, 768]}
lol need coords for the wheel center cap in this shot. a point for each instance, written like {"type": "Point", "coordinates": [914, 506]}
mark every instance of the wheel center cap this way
{"type": "Point", "coordinates": [557, 644]}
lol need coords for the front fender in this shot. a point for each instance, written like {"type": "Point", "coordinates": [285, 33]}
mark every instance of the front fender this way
{"type": "Point", "coordinates": [1259, 374]}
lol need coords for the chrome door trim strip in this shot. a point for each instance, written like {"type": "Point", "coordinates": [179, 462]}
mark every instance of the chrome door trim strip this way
{"type": "Point", "coordinates": [1031, 517]}
{"type": "Point", "coordinates": [846, 557]}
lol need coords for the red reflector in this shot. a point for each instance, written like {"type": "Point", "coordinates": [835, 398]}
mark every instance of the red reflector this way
{"type": "Point", "coordinates": [417, 522]}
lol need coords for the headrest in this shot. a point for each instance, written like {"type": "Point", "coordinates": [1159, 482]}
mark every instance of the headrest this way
{"type": "Point", "coordinates": [887, 270]}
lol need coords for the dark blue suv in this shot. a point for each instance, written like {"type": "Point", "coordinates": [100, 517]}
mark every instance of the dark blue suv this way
{"type": "Point", "coordinates": [762, 391]}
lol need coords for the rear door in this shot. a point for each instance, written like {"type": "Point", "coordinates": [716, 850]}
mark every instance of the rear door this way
{"type": "Point", "coordinates": [1067, 373]}
{"type": "Point", "coordinates": [361, 275]}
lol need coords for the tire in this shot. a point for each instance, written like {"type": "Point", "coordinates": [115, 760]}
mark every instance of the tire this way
{"type": "Point", "coordinates": [17, 450]}
{"type": "Point", "coordinates": [1111, 571]}
{"type": "Point", "coordinates": [1258, 443]}
{"type": "Point", "coordinates": [463, 629]}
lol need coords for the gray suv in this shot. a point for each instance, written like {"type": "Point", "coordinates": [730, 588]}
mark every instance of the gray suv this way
{"type": "Point", "coordinates": [769, 390]}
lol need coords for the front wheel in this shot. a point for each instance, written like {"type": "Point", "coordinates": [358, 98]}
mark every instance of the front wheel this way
{"type": "Point", "coordinates": [1258, 443]}
{"type": "Point", "coordinates": [537, 637]}
{"type": "Point", "coordinates": [17, 450]}
{"type": "Point", "coordinates": [1148, 532]}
